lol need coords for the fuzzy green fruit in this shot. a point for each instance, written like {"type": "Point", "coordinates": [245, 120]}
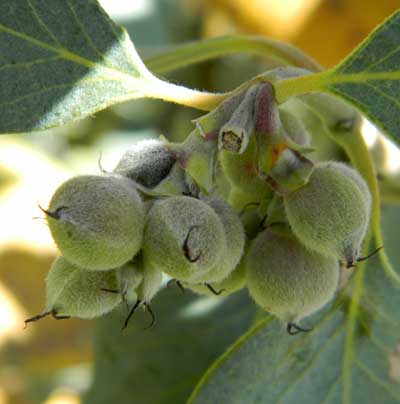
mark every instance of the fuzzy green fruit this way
{"type": "Point", "coordinates": [235, 281]}
{"type": "Point", "coordinates": [129, 277]}
{"type": "Point", "coordinates": [183, 237]}
{"type": "Point", "coordinates": [286, 279]}
{"type": "Point", "coordinates": [138, 281]}
{"type": "Point", "coordinates": [330, 214]}
{"type": "Point", "coordinates": [235, 240]}
{"type": "Point", "coordinates": [294, 128]}
{"type": "Point", "coordinates": [147, 162]}
{"type": "Point", "coordinates": [97, 221]}
{"type": "Point", "coordinates": [75, 292]}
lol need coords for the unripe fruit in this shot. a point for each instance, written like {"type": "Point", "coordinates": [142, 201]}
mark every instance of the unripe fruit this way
{"type": "Point", "coordinates": [97, 221]}
{"type": "Point", "coordinates": [286, 279]}
{"type": "Point", "coordinates": [150, 284]}
{"type": "Point", "coordinates": [75, 292]}
{"type": "Point", "coordinates": [147, 162]}
{"type": "Point", "coordinates": [346, 170]}
{"type": "Point", "coordinates": [235, 239]}
{"type": "Point", "coordinates": [235, 281]}
{"type": "Point", "coordinates": [129, 277]}
{"type": "Point", "coordinates": [183, 237]}
{"type": "Point", "coordinates": [138, 281]}
{"type": "Point", "coordinates": [330, 214]}
{"type": "Point", "coordinates": [294, 128]}
{"type": "Point", "coordinates": [247, 207]}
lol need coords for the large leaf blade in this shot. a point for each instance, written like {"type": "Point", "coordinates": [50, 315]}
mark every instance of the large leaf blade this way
{"type": "Point", "coordinates": [62, 61]}
{"type": "Point", "coordinates": [163, 364]}
{"type": "Point", "coordinates": [369, 78]}
{"type": "Point", "coordinates": [346, 359]}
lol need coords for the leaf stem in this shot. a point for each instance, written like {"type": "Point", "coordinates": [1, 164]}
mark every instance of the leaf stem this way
{"type": "Point", "coordinates": [351, 327]}
{"type": "Point", "coordinates": [160, 89]}
{"type": "Point", "coordinates": [200, 51]}
{"type": "Point", "coordinates": [310, 83]}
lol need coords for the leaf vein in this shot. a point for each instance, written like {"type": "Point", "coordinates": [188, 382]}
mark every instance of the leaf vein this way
{"type": "Point", "coordinates": [42, 24]}
{"type": "Point", "coordinates": [375, 379]}
{"type": "Point", "coordinates": [331, 389]}
{"type": "Point", "coordinates": [30, 63]}
{"type": "Point", "coordinates": [378, 62]}
{"type": "Point", "coordinates": [85, 34]}
{"type": "Point", "coordinates": [315, 357]}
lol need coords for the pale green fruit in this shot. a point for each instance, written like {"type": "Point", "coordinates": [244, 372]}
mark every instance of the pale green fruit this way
{"type": "Point", "coordinates": [183, 237]}
{"type": "Point", "coordinates": [294, 128]}
{"type": "Point", "coordinates": [147, 162]}
{"type": "Point", "coordinates": [250, 209]}
{"type": "Point", "coordinates": [235, 281]}
{"type": "Point", "coordinates": [330, 214]}
{"type": "Point", "coordinates": [150, 284]}
{"type": "Point", "coordinates": [129, 276]}
{"type": "Point", "coordinates": [286, 279]}
{"type": "Point", "coordinates": [350, 172]}
{"type": "Point", "coordinates": [235, 240]}
{"type": "Point", "coordinates": [97, 221]}
{"type": "Point", "coordinates": [75, 292]}
{"type": "Point", "coordinates": [139, 281]}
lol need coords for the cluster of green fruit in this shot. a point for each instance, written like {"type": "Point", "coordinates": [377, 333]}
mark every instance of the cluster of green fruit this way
{"type": "Point", "coordinates": [236, 204]}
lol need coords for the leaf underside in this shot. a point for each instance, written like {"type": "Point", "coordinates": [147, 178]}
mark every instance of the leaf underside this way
{"type": "Point", "coordinates": [61, 61]}
{"type": "Point", "coordinates": [370, 77]}
{"type": "Point", "coordinates": [351, 356]}
{"type": "Point", "coordinates": [163, 364]}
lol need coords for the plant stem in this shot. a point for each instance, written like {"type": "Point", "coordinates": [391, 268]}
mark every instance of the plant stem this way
{"type": "Point", "coordinates": [205, 101]}
{"type": "Point", "coordinates": [200, 51]}
{"type": "Point", "coordinates": [310, 83]}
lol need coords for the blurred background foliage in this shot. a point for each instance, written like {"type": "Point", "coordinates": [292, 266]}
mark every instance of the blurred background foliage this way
{"type": "Point", "coordinates": [52, 362]}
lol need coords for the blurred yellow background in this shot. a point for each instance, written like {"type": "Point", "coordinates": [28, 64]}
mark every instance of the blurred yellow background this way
{"type": "Point", "coordinates": [51, 361]}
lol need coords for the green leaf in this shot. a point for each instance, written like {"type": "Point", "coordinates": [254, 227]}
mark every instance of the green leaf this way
{"type": "Point", "coordinates": [162, 365]}
{"type": "Point", "coordinates": [63, 60]}
{"type": "Point", "coordinates": [351, 356]}
{"type": "Point", "coordinates": [369, 78]}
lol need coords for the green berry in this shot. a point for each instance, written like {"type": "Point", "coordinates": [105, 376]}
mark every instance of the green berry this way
{"type": "Point", "coordinates": [147, 162]}
{"type": "Point", "coordinates": [75, 292]}
{"type": "Point", "coordinates": [129, 276]}
{"type": "Point", "coordinates": [286, 279]}
{"type": "Point", "coordinates": [330, 214]}
{"type": "Point", "coordinates": [151, 283]}
{"type": "Point", "coordinates": [294, 128]}
{"type": "Point", "coordinates": [183, 237]}
{"type": "Point", "coordinates": [235, 240]}
{"type": "Point", "coordinates": [235, 281]}
{"type": "Point", "coordinates": [97, 221]}
{"type": "Point", "coordinates": [138, 281]}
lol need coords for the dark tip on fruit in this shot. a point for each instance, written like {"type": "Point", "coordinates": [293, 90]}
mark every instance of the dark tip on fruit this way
{"type": "Point", "coordinates": [186, 249]}
{"type": "Point", "coordinates": [294, 329]}
{"type": "Point", "coordinates": [54, 215]}
{"type": "Point", "coordinates": [211, 289]}
{"type": "Point", "coordinates": [130, 314]}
